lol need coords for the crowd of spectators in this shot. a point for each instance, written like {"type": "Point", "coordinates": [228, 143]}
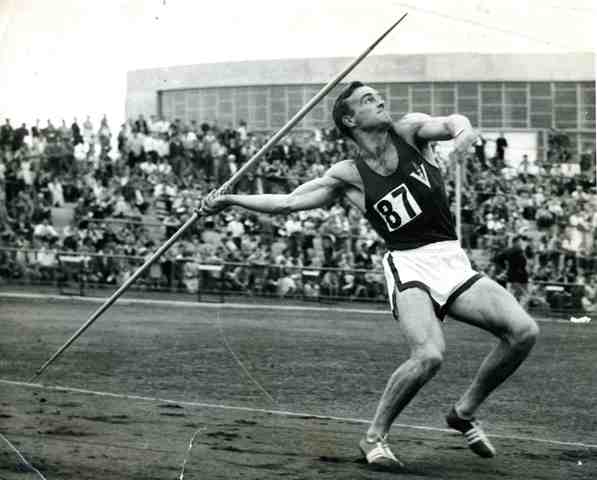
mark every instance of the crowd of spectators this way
{"type": "Point", "coordinates": [128, 191]}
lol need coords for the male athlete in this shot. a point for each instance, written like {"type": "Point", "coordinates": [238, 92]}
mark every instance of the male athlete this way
{"type": "Point", "coordinates": [397, 185]}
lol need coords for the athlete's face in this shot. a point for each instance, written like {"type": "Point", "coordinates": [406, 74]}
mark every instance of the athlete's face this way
{"type": "Point", "coordinates": [368, 109]}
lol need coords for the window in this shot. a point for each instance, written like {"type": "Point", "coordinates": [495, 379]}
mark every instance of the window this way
{"type": "Point", "coordinates": [226, 108]}
{"type": "Point", "coordinates": [399, 90]}
{"type": "Point", "coordinates": [193, 100]}
{"type": "Point", "coordinates": [515, 97]}
{"type": "Point", "coordinates": [491, 116]}
{"type": "Point", "coordinates": [515, 105]}
{"type": "Point", "coordinates": [540, 89]}
{"type": "Point", "coordinates": [541, 120]}
{"type": "Point", "coordinates": [515, 116]}
{"type": "Point", "coordinates": [491, 97]}
{"type": "Point", "coordinates": [468, 89]}
{"type": "Point", "coordinates": [468, 101]}
{"type": "Point", "coordinates": [398, 99]}
{"type": "Point", "coordinates": [565, 117]}
{"type": "Point", "coordinates": [444, 99]}
{"type": "Point", "coordinates": [468, 105]}
{"type": "Point", "coordinates": [587, 143]}
{"type": "Point", "coordinates": [541, 105]}
{"type": "Point", "coordinates": [587, 106]}
{"type": "Point", "coordinates": [421, 97]}
{"type": "Point", "coordinates": [442, 96]}
{"type": "Point", "coordinates": [277, 93]}
{"type": "Point", "coordinates": [565, 97]}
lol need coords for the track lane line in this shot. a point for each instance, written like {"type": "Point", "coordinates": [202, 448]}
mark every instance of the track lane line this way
{"type": "Point", "coordinates": [284, 413]}
{"type": "Point", "coordinates": [23, 460]}
{"type": "Point", "coordinates": [234, 306]}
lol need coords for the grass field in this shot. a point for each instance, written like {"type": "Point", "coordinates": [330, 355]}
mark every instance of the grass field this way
{"type": "Point", "coordinates": [267, 392]}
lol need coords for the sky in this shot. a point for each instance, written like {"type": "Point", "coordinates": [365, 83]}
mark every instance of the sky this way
{"type": "Point", "coordinates": [67, 58]}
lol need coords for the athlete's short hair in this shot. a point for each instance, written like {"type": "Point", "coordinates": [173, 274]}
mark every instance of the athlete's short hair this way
{"type": "Point", "coordinates": [342, 108]}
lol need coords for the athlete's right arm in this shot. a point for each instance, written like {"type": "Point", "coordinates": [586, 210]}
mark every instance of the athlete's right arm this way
{"type": "Point", "coordinates": [315, 193]}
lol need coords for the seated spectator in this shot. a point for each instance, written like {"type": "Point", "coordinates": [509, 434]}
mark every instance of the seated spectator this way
{"type": "Point", "coordinates": [56, 193]}
{"type": "Point", "coordinates": [589, 294]}
{"type": "Point", "coordinates": [122, 208]}
{"type": "Point", "coordinates": [45, 231]}
{"type": "Point", "coordinates": [330, 284]}
{"type": "Point", "coordinates": [47, 261]}
{"type": "Point", "coordinates": [25, 264]}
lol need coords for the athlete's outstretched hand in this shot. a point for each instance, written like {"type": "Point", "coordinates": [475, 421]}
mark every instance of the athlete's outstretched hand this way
{"type": "Point", "coordinates": [214, 202]}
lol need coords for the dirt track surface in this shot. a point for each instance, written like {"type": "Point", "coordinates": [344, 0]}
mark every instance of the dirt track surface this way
{"type": "Point", "coordinates": [320, 363]}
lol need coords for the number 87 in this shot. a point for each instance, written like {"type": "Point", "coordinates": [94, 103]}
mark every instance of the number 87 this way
{"type": "Point", "coordinates": [398, 208]}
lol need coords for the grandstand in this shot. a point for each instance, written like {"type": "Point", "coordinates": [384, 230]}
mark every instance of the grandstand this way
{"type": "Point", "coordinates": [522, 95]}
{"type": "Point", "coordinates": [111, 198]}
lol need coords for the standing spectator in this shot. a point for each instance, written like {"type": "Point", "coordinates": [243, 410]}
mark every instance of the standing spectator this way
{"type": "Point", "coordinates": [480, 150]}
{"type": "Point", "coordinates": [19, 137]}
{"type": "Point", "coordinates": [50, 132]}
{"type": "Point", "coordinates": [104, 134]}
{"type": "Point", "coordinates": [141, 125]}
{"type": "Point", "coordinates": [76, 133]}
{"type": "Point", "coordinates": [87, 130]}
{"type": "Point", "coordinates": [35, 130]}
{"type": "Point", "coordinates": [64, 131]}
{"type": "Point", "coordinates": [6, 134]}
{"type": "Point", "coordinates": [588, 161]}
{"type": "Point", "coordinates": [517, 276]}
{"type": "Point", "coordinates": [135, 148]}
{"type": "Point", "coordinates": [500, 148]}
{"type": "Point", "coordinates": [242, 131]}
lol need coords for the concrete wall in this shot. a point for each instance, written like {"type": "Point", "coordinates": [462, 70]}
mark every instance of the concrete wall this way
{"type": "Point", "coordinates": [144, 85]}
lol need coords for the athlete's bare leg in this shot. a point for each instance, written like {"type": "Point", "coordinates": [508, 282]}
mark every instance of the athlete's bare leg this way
{"type": "Point", "coordinates": [422, 330]}
{"type": "Point", "coordinates": [489, 306]}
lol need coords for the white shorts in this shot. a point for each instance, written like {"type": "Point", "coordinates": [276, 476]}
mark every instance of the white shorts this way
{"type": "Point", "coordinates": [442, 269]}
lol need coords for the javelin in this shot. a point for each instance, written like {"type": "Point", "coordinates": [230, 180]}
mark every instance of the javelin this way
{"type": "Point", "coordinates": [226, 186]}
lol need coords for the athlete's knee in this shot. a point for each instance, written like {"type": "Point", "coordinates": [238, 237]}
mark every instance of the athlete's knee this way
{"type": "Point", "coordinates": [429, 358]}
{"type": "Point", "coordinates": [524, 332]}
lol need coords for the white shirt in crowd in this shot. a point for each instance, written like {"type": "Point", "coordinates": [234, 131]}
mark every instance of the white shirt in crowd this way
{"type": "Point", "coordinates": [576, 232]}
{"type": "Point", "coordinates": [148, 167]}
{"type": "Point", "coordinates": [26, 172]}
{"type": "Point", "coordinates": [164, 189]}
{"type": "Point", "coordinates": [236, 228]}
{"type": "Point", "coordinates": [162, 147]}
{"type": "Point", "coordinates": [46, 258]}
{"type": "Point", "coordinates": [242, 133]}
{"type": "Point", "coordinates": [42, 230]}
{"type": "Point", "coordinates": [149, 143]}
{"type": "Point", "coordinates": [122, 207]}
{"type": "Point", "coordinates": [55, 188]}
{"type": "Point", "coordinates": [189, 139]}
{"type": "Point", "coordinates": [161, 126]}
{"type": "Point", "coordinates": [293, 225]}
{"type": "Point", "coordinates": [81, 151]}
{"type": "Point", "coordinates": [164, 167]}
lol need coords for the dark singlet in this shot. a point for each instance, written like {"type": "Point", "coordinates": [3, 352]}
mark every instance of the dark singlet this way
{"type": "Point", "coordinates": [408, 208]}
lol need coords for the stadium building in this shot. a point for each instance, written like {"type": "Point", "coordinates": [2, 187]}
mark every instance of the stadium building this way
{"type": "Point", "coordinates": [523, 96]}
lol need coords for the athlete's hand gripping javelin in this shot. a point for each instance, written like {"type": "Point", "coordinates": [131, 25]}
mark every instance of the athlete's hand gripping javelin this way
{"type": "Point", "coordinates": [214, 202]}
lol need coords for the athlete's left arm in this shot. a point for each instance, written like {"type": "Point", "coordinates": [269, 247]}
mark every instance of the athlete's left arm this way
{"type": "Point", "coordinates": [427, 129]}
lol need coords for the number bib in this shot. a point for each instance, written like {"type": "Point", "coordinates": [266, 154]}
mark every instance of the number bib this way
{"type": "Point", "coordinates": [397, 208]}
